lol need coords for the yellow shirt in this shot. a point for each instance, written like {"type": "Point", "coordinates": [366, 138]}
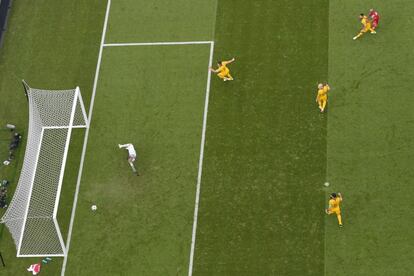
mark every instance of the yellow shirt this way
{"type": "Point", "coordinates": [334, 203]}
{"type": "Point", "coordinates": [321, 93]}
{"type": "Point", "coordinates": [365, 21]}
{"type": "Point", "coordinates": [223, 68]}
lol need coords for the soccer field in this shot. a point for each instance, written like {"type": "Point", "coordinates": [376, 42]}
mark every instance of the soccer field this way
{"type": "Point", "coordinates": [231, 173]}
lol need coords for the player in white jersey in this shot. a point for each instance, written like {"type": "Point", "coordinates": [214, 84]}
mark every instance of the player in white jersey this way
{"type": "Point", "coordinates": [132, 155]}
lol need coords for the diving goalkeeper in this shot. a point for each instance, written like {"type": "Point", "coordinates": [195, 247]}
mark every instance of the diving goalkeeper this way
{"type": "Point", "coordinates": [132, 155]}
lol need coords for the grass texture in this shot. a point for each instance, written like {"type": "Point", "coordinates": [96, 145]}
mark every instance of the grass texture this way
{"type": "Point", "coordinates": [261, 198]}
{"type": "Point", "coordinates": [268, 149]}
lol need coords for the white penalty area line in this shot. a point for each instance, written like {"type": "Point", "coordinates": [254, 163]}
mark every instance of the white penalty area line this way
{"type": "Point", "coordinates": [157, 43]}
{"type": "Point", "coordinates": [85, 142]}
{"type": "Point", "coordinates": [200, 163]}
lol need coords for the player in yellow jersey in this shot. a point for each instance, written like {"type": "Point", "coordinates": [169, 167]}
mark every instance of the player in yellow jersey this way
{"type": "Point", "coordinates": [367, 26]}
{"type": "Point", "coordinates": [322, 97]}
{"type": "Point", "coordinates": [334, 206]}
{"type": "Point", "coordinates": [222, 71]}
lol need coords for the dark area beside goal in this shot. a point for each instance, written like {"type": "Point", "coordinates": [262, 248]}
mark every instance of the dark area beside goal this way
{"type": "Point", "coordinates": [5, 6]}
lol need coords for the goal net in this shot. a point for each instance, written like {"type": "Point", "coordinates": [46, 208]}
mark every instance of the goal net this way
{"type": "Point", "coordinates": [31, 215]}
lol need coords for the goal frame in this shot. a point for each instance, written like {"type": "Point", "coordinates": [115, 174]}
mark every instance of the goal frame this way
{"type": "Point", "coordinates": [77, 102]}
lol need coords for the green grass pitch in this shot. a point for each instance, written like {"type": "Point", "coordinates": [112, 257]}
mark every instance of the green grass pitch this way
{"type": "Point", "coordinates": [267, 149]}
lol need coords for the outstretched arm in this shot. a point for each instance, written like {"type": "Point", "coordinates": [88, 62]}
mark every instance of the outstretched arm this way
{"type": "Point", "coordinates": [228, 61]}
{"type": "Point", "coordinates": [123, 146]}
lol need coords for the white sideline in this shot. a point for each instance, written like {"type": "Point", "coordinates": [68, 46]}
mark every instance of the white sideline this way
{"type": "Point", "coordinates": [85, 142]}
{"type": "Point", "coordinates": [200, 163]}
{"type": "Point", "coordinates": [157, 43]}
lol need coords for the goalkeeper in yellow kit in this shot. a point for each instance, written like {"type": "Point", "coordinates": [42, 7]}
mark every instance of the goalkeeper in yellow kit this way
{"type": "Point", "coordinates": [367, 26]}
{"type": "Point", "coordinates": [222, 71]}
{"type": "Point", "coordinates": [334, 206]}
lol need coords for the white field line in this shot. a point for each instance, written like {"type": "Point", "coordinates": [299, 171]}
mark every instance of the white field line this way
{"type": "Point", "coordinates": [85, 142]}
{"type": "Point", "coordinates": [325, 229]}
{"type": "Point", "coordinates": [200, 163]}
{"type": "Point", "coordinates": [157, 43]}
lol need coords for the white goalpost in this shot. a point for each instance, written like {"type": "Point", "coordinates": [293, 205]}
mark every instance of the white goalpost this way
{"type": "Point", "coordinates": [32, 214]}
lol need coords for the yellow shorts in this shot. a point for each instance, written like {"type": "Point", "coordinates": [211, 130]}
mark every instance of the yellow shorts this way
{"type": "Point", "coordinates": [224, 74]}
{"type": "Point", "coordinates": [334, 210]}
{"type": "Point", "coordinates": [366, 29]}
{"type": "Point", "coordinates": [323, 99]}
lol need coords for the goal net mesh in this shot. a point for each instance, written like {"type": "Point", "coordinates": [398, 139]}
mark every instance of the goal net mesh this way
{"type": "Point", "coordinates": [31, 215]}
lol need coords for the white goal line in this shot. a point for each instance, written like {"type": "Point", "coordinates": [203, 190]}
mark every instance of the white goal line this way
{"type": "Point", "coordinates": [85, 141]}
{"type": "Point", "coordinates": [157, 43]}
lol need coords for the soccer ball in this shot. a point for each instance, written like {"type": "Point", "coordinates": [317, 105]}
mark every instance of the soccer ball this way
{"type": "Point", "coordinates": [326, 184]}
{"type": "Point", "coordinates": [93, 207]}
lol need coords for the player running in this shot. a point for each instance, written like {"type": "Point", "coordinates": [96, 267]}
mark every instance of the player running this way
{"type": "Point", "coordinates": [322, 97]}
{"type": "Point", "coordinates": [334, 208]}
{"type": "Point", "coordinates": [132, 155]}
{"type": "Point", "coordinates": [366, 26]}
{"type": "Point", "coordinates": [222, 71]}
{"type": "Point", "coordinates": [374, 18]}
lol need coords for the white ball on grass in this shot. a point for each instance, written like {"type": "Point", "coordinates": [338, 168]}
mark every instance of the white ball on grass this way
{"type": "Point", "coordinates": [93, 207]}
{"type": "Point", "coordinates": [326, 184]}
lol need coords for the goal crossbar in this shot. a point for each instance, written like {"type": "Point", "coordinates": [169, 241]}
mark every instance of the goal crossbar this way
{"type": "Point", "coordinates": [32, 214]}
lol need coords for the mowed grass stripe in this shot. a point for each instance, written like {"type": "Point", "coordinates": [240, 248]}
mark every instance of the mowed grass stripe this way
{"type": "Point", "coordinates": [161, 20]}
{"type": "Point", "coordinates": [261, 206]}
{"type": "Point", "coordinates": [370, 140]}
{"type": "Point", "coordinates": [145, 96]}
